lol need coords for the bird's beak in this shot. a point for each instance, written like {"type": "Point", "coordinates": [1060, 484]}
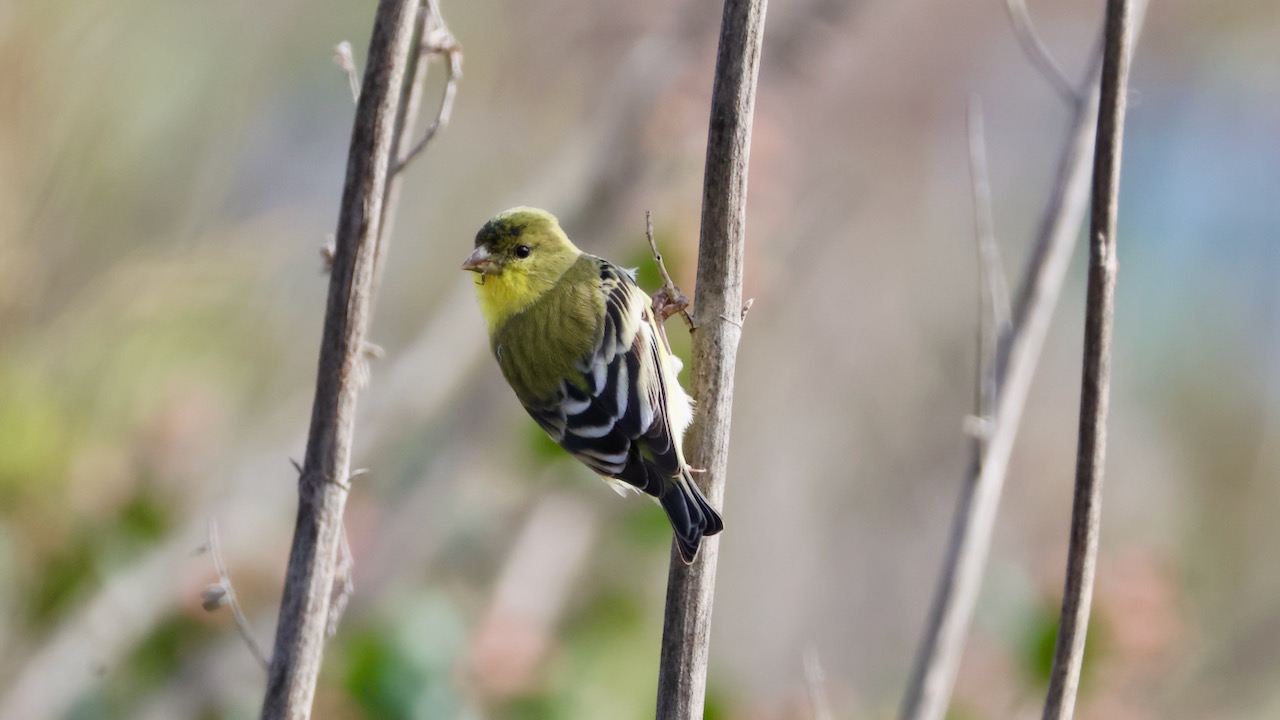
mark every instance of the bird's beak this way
{"type": "Point", "coordinates": [479, 261]}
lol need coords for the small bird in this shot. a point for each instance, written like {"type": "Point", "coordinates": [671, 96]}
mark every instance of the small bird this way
{"type": "Point", "coordinates": [579, 343]}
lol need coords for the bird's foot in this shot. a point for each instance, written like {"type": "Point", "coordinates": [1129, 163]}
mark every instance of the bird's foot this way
{"type": "Point", "coordinates": [668, 302]}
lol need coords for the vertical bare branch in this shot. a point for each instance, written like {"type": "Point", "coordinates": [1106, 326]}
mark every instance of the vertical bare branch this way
{"type": "Point", "coordinates": [938, 658]}
{"type": "Point", "coordinates": [718, 312]}
{"type": "Point", "coordinates": [1086, 512]}
{"type": "Point", "coordinates": [322, 487]}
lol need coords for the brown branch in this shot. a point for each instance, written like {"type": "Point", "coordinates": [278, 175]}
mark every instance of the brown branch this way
{"type": "Point", "coordinates": [322, 493]}
{"type": "Point", "coordinates": [224, 593]}
{"type": "Point", "coordinates": [1086, 512]}
{"type": "Point", "coordinates": [686, 630]}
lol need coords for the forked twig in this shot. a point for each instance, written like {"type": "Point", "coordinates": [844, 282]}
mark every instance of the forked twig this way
{"type": "Point", "coordinates": [1037, 52]}
{"type": "Point", "coordinates": [322, 494]}
{"type": "Point", "coordinates": [437, 41]}
{"type": "Point", "coordinates": [224, 593]}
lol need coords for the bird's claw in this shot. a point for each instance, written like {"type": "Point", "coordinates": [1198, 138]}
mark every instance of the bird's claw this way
{"type": "Point", "coordinates": [665, 304]}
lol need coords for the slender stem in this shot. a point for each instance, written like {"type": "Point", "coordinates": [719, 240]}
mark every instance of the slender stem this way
{"type": "Point", "coordinates": [430, 36]}
{"type": "Point", "coordinates": [436, 40]}
{"type": "Point", "coordinates": [933, 675]}
{"type": "Point", "coordinates": [994, 318]}
{"type": "Point", "coordinates": [686, 630]}
{"type": "Point", "coordinates": [938, 658]}
{"type": "Point", "coordinates": [668, 285]}
{"type": "Point", "coordinates": [1086, 514]}
{"type": "Point", "coordinates": [322, 487]}
{"type": "Point", "coordinates": [224, 579]}
{"type": "Point", "coordinates": [1037, 52]}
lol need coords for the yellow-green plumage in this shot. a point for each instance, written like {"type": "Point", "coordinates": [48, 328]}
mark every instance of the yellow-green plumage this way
{"type": "Point", "coordinates": [577, 341]}
{"type": "Point", "coordinates": [567, 311]}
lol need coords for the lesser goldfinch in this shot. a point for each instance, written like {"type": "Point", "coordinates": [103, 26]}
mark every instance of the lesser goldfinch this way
{"type": "Point", "coordinates": [579, 343]}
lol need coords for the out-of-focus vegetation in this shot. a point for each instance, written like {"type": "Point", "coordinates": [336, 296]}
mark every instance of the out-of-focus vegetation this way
{"type": "Point", "coordinates": [168, 172]}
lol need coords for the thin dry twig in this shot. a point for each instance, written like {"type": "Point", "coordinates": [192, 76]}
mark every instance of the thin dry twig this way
{"type": "Point", "coordinates": [304, 609]}
{"type": "Point", "coordinates": [816, 681]}
{"type": "Point", "coordinates": [928, 691]}
{"type": "Point", "coordinates": [437, 41]}
{"type": "Point", "coordinates": [342, 56]}
{"type": "Point", "coordinates": [1086, 513]}
{"type": "Point", "coordinates": [1037, 52]}
{"type": "Point", "coordinates": [430, 32]}
{"type": "Point", "coordinates": [344, 584]}
{"type": "Point", "coordinates": [224, 593]}
{"type": "Point", "coordinates": [668, 300]}
{"type": "Point", "coordinates": [994, 317]}
{"type": "Point", "coordinates": [686, 629]}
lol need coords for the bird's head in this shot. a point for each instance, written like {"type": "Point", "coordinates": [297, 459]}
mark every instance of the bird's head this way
{"type": "Point", "coordinates": [523, 241]}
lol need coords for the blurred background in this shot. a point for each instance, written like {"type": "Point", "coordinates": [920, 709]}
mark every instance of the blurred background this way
{"type": "Point", "coordinates": [168, 173]}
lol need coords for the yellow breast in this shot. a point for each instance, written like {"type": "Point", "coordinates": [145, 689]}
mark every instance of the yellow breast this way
{"type": "Point", "coordinates": [504, 295]}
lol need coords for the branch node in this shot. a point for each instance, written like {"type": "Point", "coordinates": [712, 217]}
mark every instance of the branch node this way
{"type": "Point", "coordinates": [979, 428]}
{"type": "Point", "coordinates": [1038, 53]}
{"type": "Point", "coordinates": [343, 58]}
{"type": "Point", "coordinates": [328, 250]}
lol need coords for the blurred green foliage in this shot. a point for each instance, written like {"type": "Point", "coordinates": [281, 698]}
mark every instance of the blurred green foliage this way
{"type": "Point", "coordinates": [402, 667]}
{"type": "Point", "coordinates": [1041, 641]}
{"type": "Point", "coordinates": [94, 551]}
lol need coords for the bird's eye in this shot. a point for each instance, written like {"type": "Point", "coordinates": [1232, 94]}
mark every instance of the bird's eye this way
{"type": "Point", "coordinates": [522, 251]}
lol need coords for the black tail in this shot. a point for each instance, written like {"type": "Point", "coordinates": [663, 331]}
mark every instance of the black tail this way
{"type": "Point", "coordinates": [692, 517]}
